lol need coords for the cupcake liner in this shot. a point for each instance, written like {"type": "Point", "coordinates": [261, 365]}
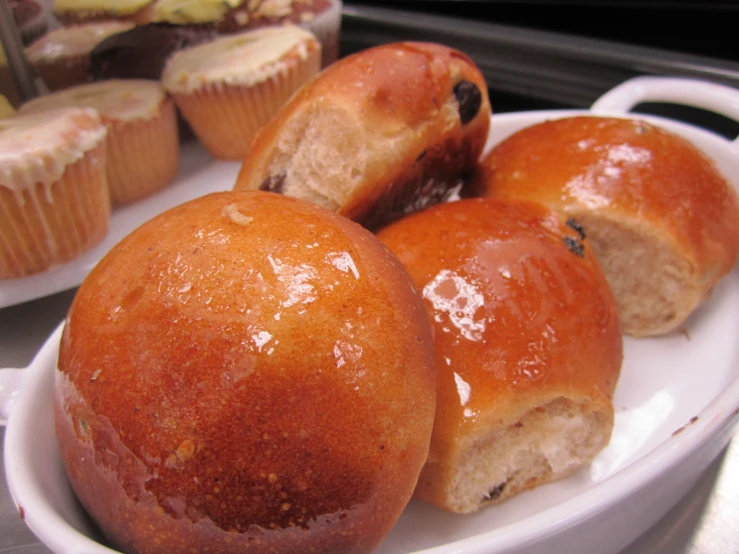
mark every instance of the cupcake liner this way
{"type": "Point", "coordinates": [143, 155]}
{"type": "Point", "coordinates": [225, 118]}
{"type": "Point", "coordinates": [326, 26]}
{"type": "Point", "coordinates": [46, 225]}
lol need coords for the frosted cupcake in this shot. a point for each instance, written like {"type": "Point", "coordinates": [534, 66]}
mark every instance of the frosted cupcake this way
{"type": "Point", "coordinates": [229, 88]}
{"type": "Point", "coordinates": [62, 57]}
{"type": "Point", "coordinates": [143, 144]}
{"type": "Point", "coordinates": [71, 12]}
{"type": "Point", "coordinates": [320, 17]}
{"type": "Point", "coordinates": [53, 190]}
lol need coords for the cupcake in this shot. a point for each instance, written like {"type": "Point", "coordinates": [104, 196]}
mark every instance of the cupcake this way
{"type": "Point", "coordinates": [62, 57]}
{"type": "Point", "coordinates": [143, 146]}
{"type": "Point", "coordinates": [141, 52]}
{"type": "Point", "coordinates": [6, 110]}
{"type": "Point", "coordinates": [71, 12]}
{"type": "Point", "coordinates": [31, 18]}
{"type": "Point", "coordinates": [53, 189]}
{"type": "Point", "coordinates": [321, 17]}
{"type": "Point", "coordinates": [229, 88]}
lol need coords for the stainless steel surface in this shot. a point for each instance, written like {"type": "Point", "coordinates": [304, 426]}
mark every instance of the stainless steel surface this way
{"type": "Point", "coordinates": [703, 522]}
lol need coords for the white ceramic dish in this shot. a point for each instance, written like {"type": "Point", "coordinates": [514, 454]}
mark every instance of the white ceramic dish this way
{"type": "Point", "coordinates": [199, 174]}
{"type": "Point", "coordinates": [676, 402]}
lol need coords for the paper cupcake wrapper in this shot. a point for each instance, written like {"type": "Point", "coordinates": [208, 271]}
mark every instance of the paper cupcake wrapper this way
{"type": "Point", "coordinates": [226, 118]}
{"type": "Point", "coordinates": [326, 27]}
{"type": "Point", "coordinates": [143, 155]}
{"type": "Point", "coordinates": [46, 225]}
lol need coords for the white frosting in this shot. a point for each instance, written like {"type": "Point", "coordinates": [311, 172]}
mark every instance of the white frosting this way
{"type": "Point", "coordinates": [37, 148]}
{"type": "Point", "coordinates": [116, 100]}
{"type": "Point", "coordinates": [245, 59]}
{"type": "Point", "coordinates": [78, 40]}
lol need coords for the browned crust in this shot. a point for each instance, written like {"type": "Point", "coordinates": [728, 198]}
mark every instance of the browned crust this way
{"type": "Point", "coordinates": [182, 429]}
{"type": "Point", "coordinates": [388, 91]}
{"type": "Point", "coordinates": [666, 182]}
{"type": "Point", "coordinates": [538, 321]}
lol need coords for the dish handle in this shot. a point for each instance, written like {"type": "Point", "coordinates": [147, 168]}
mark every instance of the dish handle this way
{"type": "Point", "coordinates": [709, 96]}
{"type": "Point", "coordinates": [11, 380]}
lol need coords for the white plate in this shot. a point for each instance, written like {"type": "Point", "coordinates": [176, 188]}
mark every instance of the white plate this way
{"type": "Point", "coordinates": [676, 403]}
{"type": "Point", "coordinates": [199, 174]}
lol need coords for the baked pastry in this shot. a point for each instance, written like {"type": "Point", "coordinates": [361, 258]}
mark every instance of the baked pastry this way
{"type": "Point", "coordinates": [663, 222]}
{"type": "Point", "coordinates": [62, 57]}
{"type": "Point", "coordinates": [378, 134]}
{"type": "Point", "coordinates": [143, 145]}
{"type": "Point", "coordinates": [320, 17]}
{"type": "Point", "coordinates": [229, 88]}
{"type": "Point", "coordinates": [246, 372]}
{"type": "Point", "coordinates": [527, 341]}
{"type": "Point", "coordinates": [72, 12]}
{"type": "Point", "coordinates": [141, 52]}
{"type": "Point", "coordinates": [53, 193]}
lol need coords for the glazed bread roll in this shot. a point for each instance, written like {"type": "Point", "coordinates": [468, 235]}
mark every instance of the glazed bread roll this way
{"type": "Point", "coordinates": [246, 373]}
{"type": "Point", "coordinates": [380, 133]}
{"type": "Point", "coordinates": [527, 341]}
{"type": "Point", "coordinates": [663, 222]}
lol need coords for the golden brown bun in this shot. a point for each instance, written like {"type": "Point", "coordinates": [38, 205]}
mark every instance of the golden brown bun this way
{"type": "Point", "coordinates": [528, 347]}
{"type": "Point", "coordinates": [246, 372]}
{"type": "Point", "coordinates": [661, 219]}
{"type": "Point", "coordinates": [377, 134]}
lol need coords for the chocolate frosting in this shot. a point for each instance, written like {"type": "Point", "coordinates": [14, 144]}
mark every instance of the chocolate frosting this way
{"type": "Point", "coordinates": [142, 52]}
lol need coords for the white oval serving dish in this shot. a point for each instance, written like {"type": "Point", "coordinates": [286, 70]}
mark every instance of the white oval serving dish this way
{"type": "Point", "coordinates": [676, 405]}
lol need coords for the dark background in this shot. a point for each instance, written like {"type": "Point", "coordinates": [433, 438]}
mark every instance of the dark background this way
{"type": "Point", "coordinates": [708, 28]}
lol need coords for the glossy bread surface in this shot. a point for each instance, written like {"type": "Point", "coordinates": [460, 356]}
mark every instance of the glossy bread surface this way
{"type": "Point", "coordinates": [246, 370]}
{"type": "Point", "coordinates": [378, 134]}
{"type": "Point", "coordinates": [628, 168]}
{"type": "Point", "coordinates": [521, 312]}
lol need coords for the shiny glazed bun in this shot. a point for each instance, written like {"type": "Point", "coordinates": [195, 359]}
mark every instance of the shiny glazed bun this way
{"type": "Point", "coordinates": [378, 134]}
{"type": "Point", "coordinates": [528, 347]}
{"type": "Point", "coordinates": [246, 372]}
{"type": "Point", "coordinates": [662, 220]}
